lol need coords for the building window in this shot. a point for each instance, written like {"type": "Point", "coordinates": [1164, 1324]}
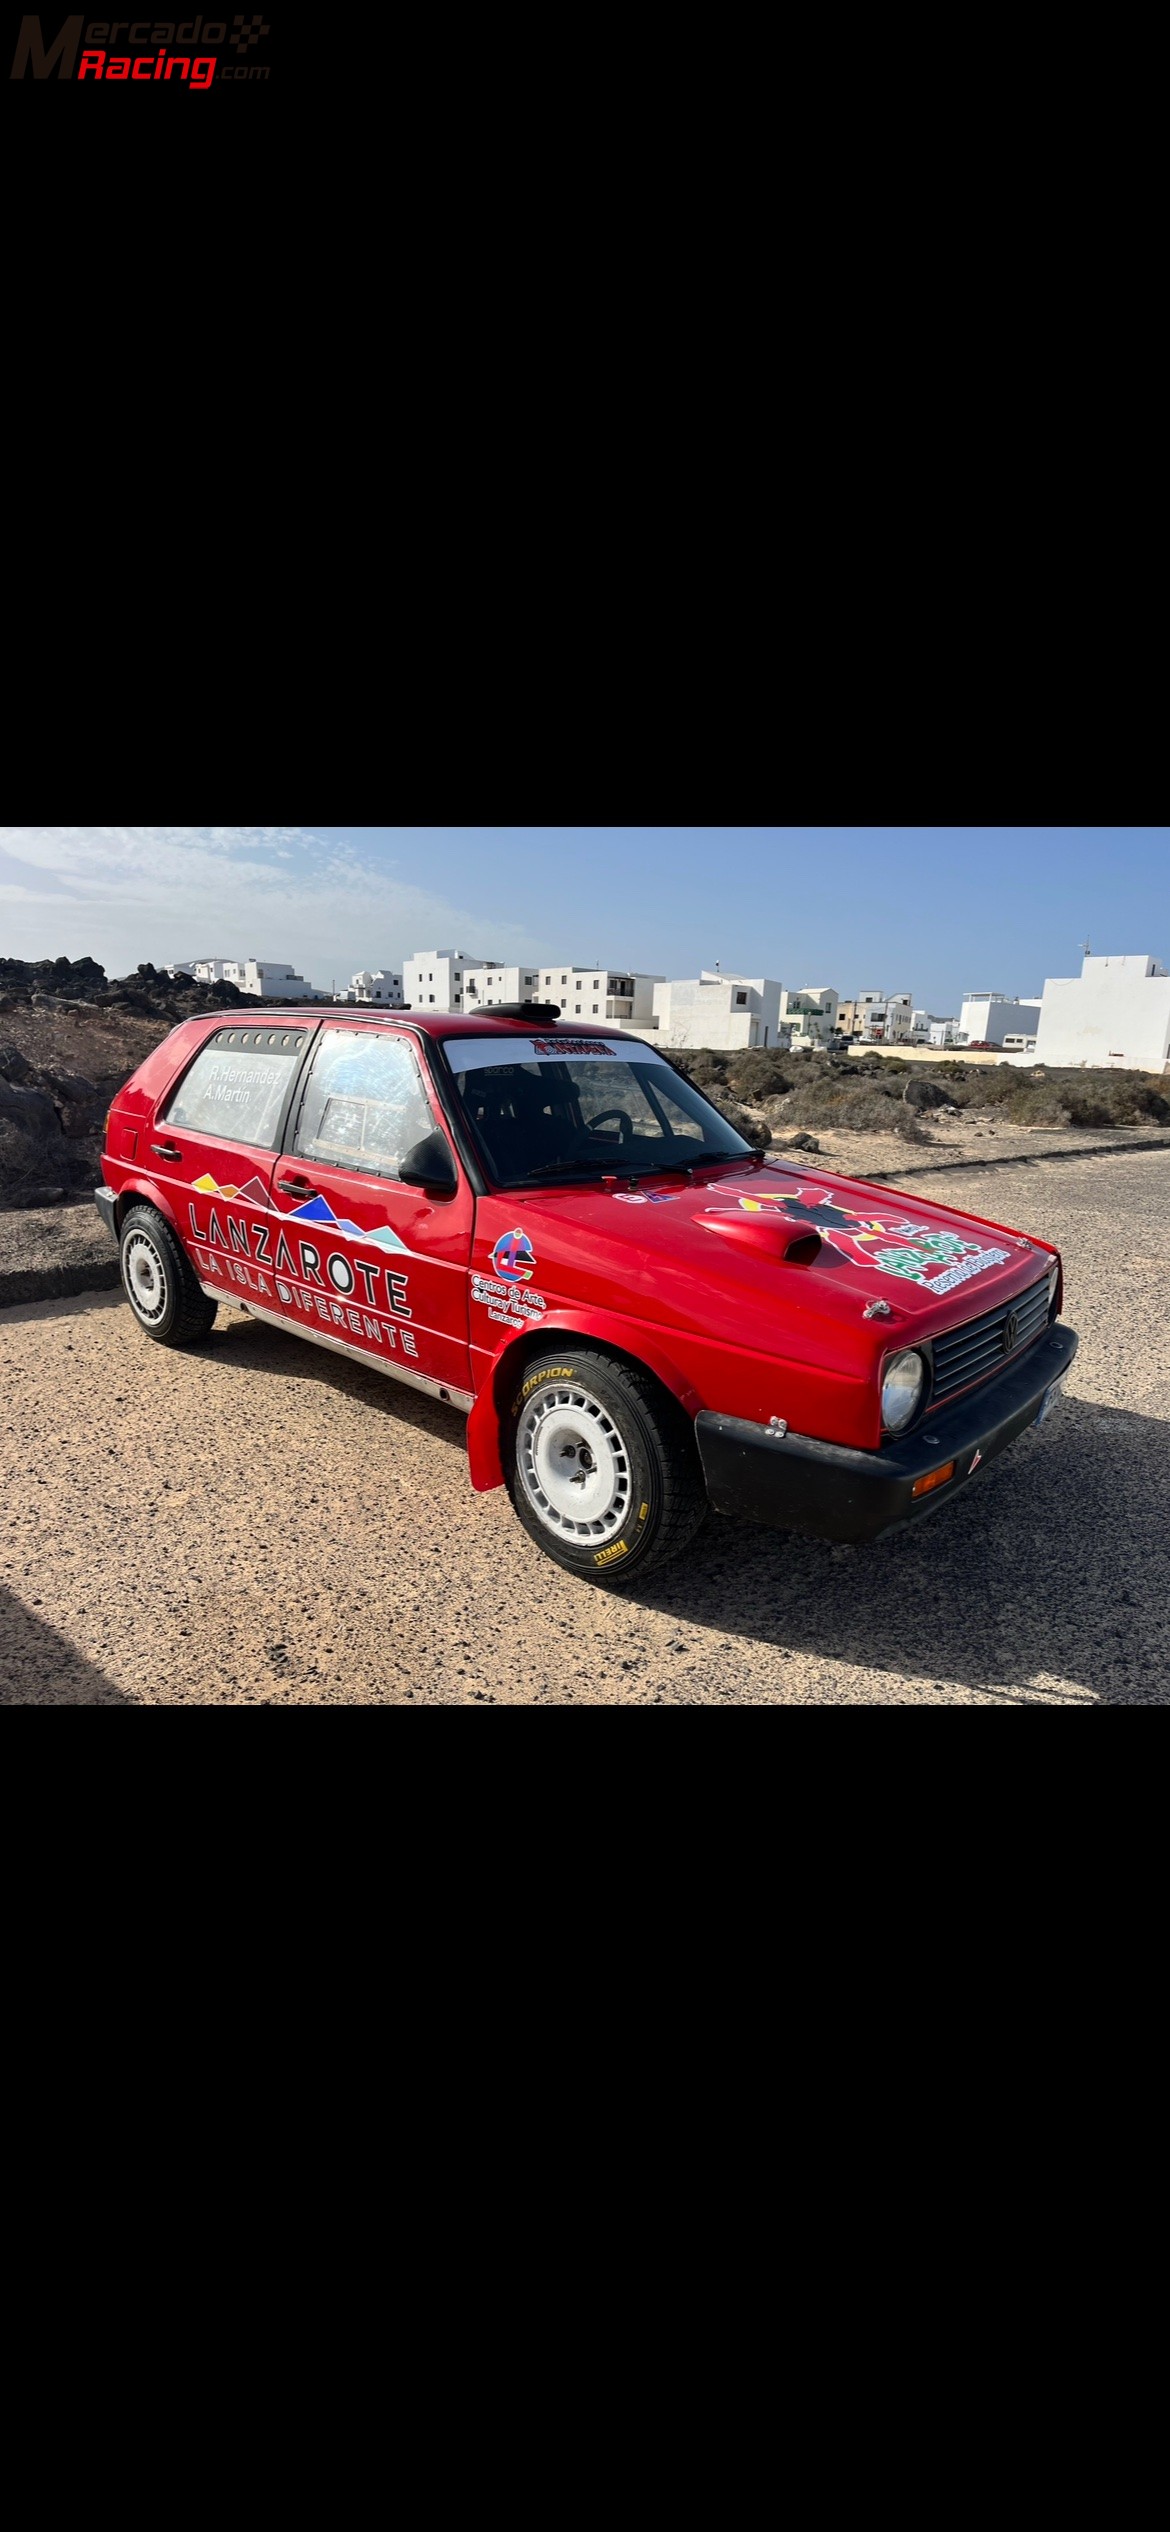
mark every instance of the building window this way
{"type": "Point", "coordinates": [741, 1002]}
{"type": "Point", "coordinates": [430, 997]}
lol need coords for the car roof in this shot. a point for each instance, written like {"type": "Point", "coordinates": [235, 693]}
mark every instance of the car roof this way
{"type": "Point", "coordinates": [434, 1023]}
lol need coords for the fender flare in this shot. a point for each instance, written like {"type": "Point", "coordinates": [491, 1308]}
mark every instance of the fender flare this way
{"type": "Point", "coordinates": [643, 1343]}
{"type": "Point", "coordinates": [131, 1188]}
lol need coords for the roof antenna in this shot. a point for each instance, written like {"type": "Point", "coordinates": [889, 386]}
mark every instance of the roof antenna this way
{"type": "Point", "coordinates": [1083, 945]}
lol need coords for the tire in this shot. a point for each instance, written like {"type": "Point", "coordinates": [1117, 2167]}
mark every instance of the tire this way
{"type": "Point", "coordinates": [159, 1282]}
{"type": "Point", "coordinates": [637, 1495]}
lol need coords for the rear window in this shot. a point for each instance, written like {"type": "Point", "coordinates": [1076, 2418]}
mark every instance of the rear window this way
{"type": "Point", "coordinates": [236, 1086]}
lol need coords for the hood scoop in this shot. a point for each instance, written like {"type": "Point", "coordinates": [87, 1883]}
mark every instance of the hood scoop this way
{"type": "Point", "coordinates": [789, 1243]}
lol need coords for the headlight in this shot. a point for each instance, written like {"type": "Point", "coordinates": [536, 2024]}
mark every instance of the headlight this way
{"type": "Point", "coordinates": [1053, 1280]}
{"type": "Point", "coordinates": [902, 1386]}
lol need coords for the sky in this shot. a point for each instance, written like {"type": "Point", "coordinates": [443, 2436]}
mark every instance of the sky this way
{"type": "Point", "coordinates": [932, 911]}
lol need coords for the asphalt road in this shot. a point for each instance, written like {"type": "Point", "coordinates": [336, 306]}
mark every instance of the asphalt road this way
{"type": "Point", "coordinates": [258, 1523]}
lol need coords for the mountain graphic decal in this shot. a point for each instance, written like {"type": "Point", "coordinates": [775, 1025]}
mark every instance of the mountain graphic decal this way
{"type": "Point", "coordinates": [318, 1209]}
{"type": "Point", "coordinates": [253, 1191]}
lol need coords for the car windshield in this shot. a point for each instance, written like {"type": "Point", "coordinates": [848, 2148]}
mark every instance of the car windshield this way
{"type": "Point", "coordinates": [562, 1110]}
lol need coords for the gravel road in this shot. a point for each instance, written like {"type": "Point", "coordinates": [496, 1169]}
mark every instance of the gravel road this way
{"type": "Point", "coordinates": [257, 1523]}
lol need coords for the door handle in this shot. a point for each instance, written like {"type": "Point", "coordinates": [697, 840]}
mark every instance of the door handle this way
{"type": "Point", "coordinates": [294, 1186]}
{"type": "Point", "coordinates": [167, 1151]}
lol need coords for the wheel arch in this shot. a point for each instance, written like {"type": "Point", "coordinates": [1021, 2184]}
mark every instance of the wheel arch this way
{"type": "Point", "coordinates": [139, 1191]}
{"type": "Point", "coordinates": [626, 1338]}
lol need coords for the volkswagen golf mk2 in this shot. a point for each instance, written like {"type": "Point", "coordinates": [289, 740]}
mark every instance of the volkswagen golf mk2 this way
{"type": "Point", "coordinates": [552, 1230]}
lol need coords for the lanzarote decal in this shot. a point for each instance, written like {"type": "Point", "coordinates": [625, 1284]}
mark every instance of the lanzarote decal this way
{"type": "Point", "coordinates": [889, 1243]}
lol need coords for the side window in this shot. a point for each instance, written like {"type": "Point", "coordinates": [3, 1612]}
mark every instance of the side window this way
{"type": "Point", "coordinates": [363, 1105]}
{"type": "Point", "coordinates": [236, 1086]}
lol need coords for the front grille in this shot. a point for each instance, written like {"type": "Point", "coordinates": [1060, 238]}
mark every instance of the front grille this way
{"type": "Point", "coordinates": [972, 1352]}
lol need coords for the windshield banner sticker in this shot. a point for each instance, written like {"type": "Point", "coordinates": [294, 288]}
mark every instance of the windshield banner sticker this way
{"type": "Point", "coordinates": [914, 1251]}
{"type": "Point", "coordinates": [470, 1054]}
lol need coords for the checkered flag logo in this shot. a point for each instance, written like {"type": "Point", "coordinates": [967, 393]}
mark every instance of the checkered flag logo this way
{"type": "Point", "coordinates": [248, 31]}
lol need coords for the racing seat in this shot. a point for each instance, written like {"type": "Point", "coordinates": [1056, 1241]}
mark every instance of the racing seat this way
{"type": "Point", "coordinates": [513, 1118]}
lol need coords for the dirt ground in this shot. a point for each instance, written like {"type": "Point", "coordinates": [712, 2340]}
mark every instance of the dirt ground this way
{"type": "Point", "coordinates": [976, 1136]}
{"type": "Point", "coordinates": [258, 1523]}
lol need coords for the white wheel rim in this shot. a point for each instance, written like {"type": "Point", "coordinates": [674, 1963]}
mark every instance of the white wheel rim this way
{"type": "Point", "coordinates": [144, 1276]}
{"type": "Point", "coordinates": [573, 1463]}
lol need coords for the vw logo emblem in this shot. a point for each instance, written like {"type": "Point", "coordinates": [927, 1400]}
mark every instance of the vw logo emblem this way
{"type": "Point", "coordinates": [1011, 1330]}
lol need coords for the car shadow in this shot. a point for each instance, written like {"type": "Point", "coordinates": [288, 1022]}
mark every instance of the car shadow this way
{"type": "Point", "coordinates": [1051, 1566]}
{"type": "Point", "coordinates": [38, 1667]}
{"type": "Point", "coordinates": [240, 1340]}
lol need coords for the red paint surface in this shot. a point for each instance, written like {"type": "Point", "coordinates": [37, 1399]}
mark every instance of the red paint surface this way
{"type": "Point", "coordinates": [700, 1289]}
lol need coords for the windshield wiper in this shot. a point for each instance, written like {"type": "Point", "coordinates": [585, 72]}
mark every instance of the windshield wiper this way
{"type": "Point", "coordinates": [613, 1167]}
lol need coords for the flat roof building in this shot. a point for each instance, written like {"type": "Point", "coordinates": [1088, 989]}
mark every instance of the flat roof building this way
{"type": "Point", "coordinates": [987, 1019]}
{"type": "Point", "coordinates": [715, 1010]}
{"type": "Point", "coordinates": [1115, 1013]}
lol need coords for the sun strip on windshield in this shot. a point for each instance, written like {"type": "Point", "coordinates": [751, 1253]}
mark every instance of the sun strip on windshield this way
{"type": "Point", "coordinates": [468, 1055]}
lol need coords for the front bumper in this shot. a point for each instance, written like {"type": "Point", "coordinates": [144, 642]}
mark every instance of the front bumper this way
{"type": "Point", "coordinates": [791, 1482]}
{"type": "Point", "coordinates": [105, 1203]}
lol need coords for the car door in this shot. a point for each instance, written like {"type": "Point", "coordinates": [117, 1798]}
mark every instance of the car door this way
{"type": "Point", "coordinates": [212, 1149]}
{"type": "Point", "coordinates": [361, 1259]}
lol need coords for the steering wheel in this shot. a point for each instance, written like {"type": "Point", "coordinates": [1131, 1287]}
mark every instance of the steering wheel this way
{"type": "Point", "coordinates": [609, 1116]}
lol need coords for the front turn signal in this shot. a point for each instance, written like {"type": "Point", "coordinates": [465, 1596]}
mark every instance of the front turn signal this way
{"type": "Point", "coordinates": [936, 1477]}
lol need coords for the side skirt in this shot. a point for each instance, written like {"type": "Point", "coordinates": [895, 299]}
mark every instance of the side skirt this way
{"type": "Point", "coordinates": [447, 1397]}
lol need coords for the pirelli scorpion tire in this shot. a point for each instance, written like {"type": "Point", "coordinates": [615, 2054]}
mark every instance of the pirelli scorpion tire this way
{"type": "Point", "coordinates": [601, 1465]}
{"type": "Point", "coordinates": [158, 1281]}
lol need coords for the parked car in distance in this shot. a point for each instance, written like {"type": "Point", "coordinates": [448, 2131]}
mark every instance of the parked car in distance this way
{"type": "Point", "coordinates": [552, 1230]}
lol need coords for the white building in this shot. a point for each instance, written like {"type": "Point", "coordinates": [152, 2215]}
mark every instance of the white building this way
{"type": "Point", "coordinates": [882, 1019]}
{"type": "Point", "coordinates": [1115, 1013]}
{"type": "Point", "coordinates": [812, 1011]}
{"type": "Point", "coordinates": [987, 1019]}
{"type": "Point", "coordinates": [717, 1010]}
{"type": "Point", "coordinates": [377, 984]}
{"type": "Point", "coordinates": [619, 994]}
{"type": "Point", "coordinates": [433, 980]}
{"type": "Point", "coordinates": [928, 1029]}
{"type": "Point", "coordinates": [482, 986]}
{"type": "Point", "coordinates": [270, 979]}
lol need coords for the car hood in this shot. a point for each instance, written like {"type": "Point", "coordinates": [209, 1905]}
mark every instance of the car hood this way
{"type": "Point", "coordinates": [773, 1234]}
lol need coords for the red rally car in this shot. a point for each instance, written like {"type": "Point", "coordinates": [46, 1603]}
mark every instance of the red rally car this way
{"type": "Point", "coordinates": [551, 1229]}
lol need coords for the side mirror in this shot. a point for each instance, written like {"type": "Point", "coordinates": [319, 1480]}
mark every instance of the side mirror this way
{"type": "Point", "coordinates": [429, 1165]}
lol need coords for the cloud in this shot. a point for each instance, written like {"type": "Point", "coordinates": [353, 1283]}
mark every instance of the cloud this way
{"type": "Point", "coordinates": [125, 893]}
